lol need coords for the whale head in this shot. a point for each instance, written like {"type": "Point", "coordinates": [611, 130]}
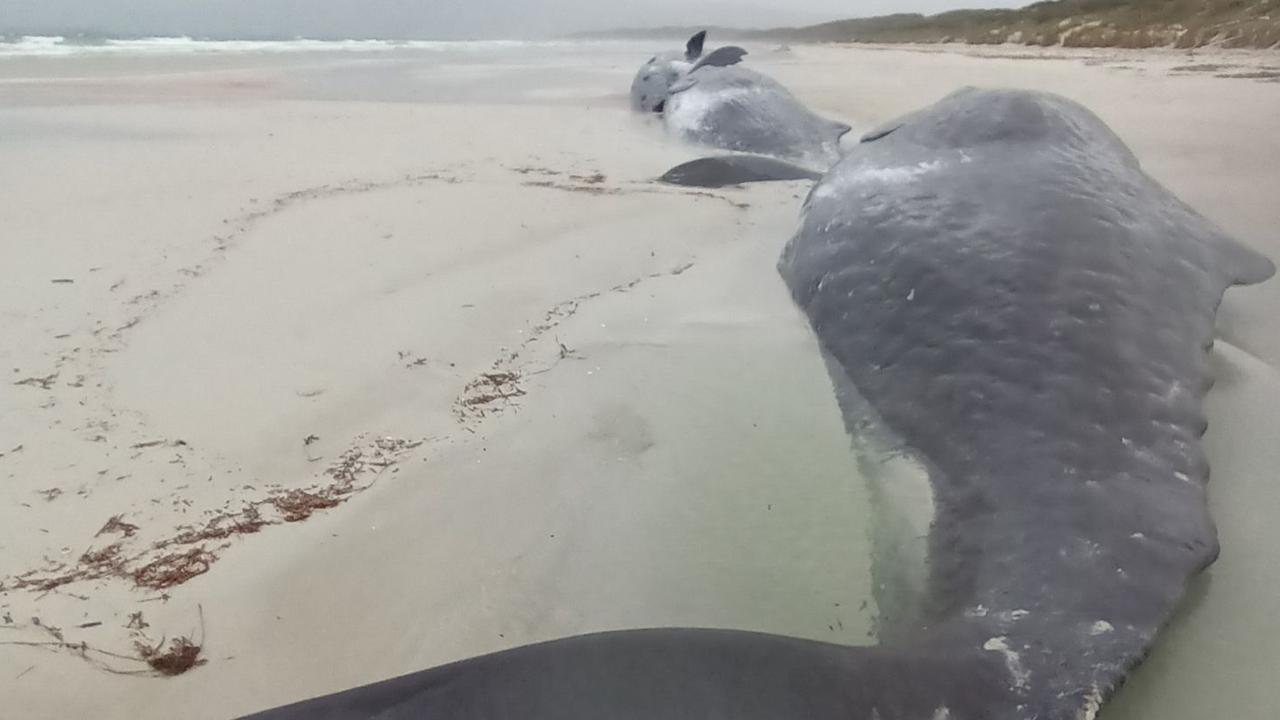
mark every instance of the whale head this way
{"type": "Point", "coordinates": [651, 87]}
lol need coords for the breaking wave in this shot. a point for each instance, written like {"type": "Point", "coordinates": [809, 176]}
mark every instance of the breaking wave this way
{"type": "Point", "coordinates": [57, 46]}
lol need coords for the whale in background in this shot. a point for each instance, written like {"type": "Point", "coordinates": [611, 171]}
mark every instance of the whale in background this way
{"type": "Point", "coordinates": [651, 85]}
{"type": "Point", "coordinates": [712, 100]}
{"type": "Point", "coordinates": [736, 108]}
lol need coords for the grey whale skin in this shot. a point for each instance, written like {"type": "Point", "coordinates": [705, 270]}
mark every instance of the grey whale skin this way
{"type": "Point", "coordinates": [717, 172]}
{"type": "Point", "coordinates": [712, 100]}
{"type": "Point", "coordinates": [996, 282]}
{"type": "Point", "coordinates": [1029, 313]}
{"type": "Point", "coordinates": [653, 80]}
{"type": "Point", "coordinates": [739, 109]}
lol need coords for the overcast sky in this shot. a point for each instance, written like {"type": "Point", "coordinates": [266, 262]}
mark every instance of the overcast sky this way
{"type": "Point", "coordinates": [434, 18]}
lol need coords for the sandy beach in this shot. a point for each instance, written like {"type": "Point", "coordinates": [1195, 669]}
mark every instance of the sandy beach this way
{"type": "Point", "coordinates": [347, 364]}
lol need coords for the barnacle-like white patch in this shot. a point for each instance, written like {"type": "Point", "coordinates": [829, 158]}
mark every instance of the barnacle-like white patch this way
{"type": "Point", "coordinates": [872, 174]}
{"type": "Point", "coordinates": [898, 175]}
{"type": "Point", "coordinates": [1021, 676]}
{"type": "Point", "coordinates": [1102, 627]}
{"type": "Point", "coordinates": [942, 713]}
{"type": "Point", "coordinates": [976, 612]}
{"type": "Point", "coordinates": [824, 191]}
{"type": "Point", "coordinates": [687, 111]}
{"type": "Point", "coordinates": [1092, 704]}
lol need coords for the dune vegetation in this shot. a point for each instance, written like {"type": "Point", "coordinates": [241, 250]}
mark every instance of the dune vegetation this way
{"type": "Point", "coordinates": [1070, 23]}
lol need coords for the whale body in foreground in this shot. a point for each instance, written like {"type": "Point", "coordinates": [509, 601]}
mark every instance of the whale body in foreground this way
{"type": "Point", "coordinates": [1028, 313]}
{"type": "Point", "coordinates": [996, 284]}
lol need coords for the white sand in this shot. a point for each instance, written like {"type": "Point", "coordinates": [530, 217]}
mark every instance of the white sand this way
{"type": "Point", "coordinates": [335, 246]}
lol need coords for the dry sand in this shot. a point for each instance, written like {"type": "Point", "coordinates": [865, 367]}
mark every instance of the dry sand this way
{"type": "Point", "coordinates": [551, 396]}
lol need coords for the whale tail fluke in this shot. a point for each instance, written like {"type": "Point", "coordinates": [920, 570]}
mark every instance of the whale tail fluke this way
{"type": "Point", "coordinates": [693, 50]}
{"type": "Point", "coordinates": [728, 170]}
{"type": "Point", "coordinates": [721, 57]}
{"type": "Point", "coordinates": [681, 674]}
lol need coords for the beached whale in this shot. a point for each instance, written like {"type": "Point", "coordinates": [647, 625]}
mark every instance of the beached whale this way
{"type": "Point", "coordinates": [1001, 292]}
{"type": "Point", "coordinates": [999, 286]}
{"type": "Point", "coordinates": [712, 100]}
{"type": "Point", "coordinates": [649, 88]}
{"type": "Point", "coordinates": [736, 108]}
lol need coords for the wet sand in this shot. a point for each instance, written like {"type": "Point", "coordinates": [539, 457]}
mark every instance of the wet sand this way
{"type": "Point", "coordinates": [545, 396]}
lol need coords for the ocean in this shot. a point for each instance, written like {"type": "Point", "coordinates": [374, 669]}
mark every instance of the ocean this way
{"type": "Point", "coordinates": [59, 46]}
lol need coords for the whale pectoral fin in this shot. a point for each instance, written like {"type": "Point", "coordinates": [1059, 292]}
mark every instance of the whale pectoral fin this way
{"type": "Point", "coordinates": [1236, 262]}
{"type": "Point", "coordinates": [721, 57]}
{"type": "Point", "coordinates": [1243, 264]}
{"type": "Point", "coordinates": [681, 85]}
{"type": "Point", "coordinates": [727, 170]}
{"type": "Point", "coordinates": [1248, 266]}
{"type": "Point", "coordinates": [693, 49]}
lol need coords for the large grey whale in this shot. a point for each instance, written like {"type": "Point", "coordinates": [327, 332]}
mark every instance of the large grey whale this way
{"type": "Point", "coordinates": [1029, 313]}
{"type": "Point", "coordinates": [736, 108]}
{"type": "Point", "coordinates": [998, 286]}
{"type": "Point", "coordinates": [712, 100]}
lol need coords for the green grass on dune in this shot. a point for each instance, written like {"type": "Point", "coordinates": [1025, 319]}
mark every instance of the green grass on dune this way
{"type": "Point", "coordinates": [1075, 23]}
{"type": "Point", "coordinates": [1070, 23]}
